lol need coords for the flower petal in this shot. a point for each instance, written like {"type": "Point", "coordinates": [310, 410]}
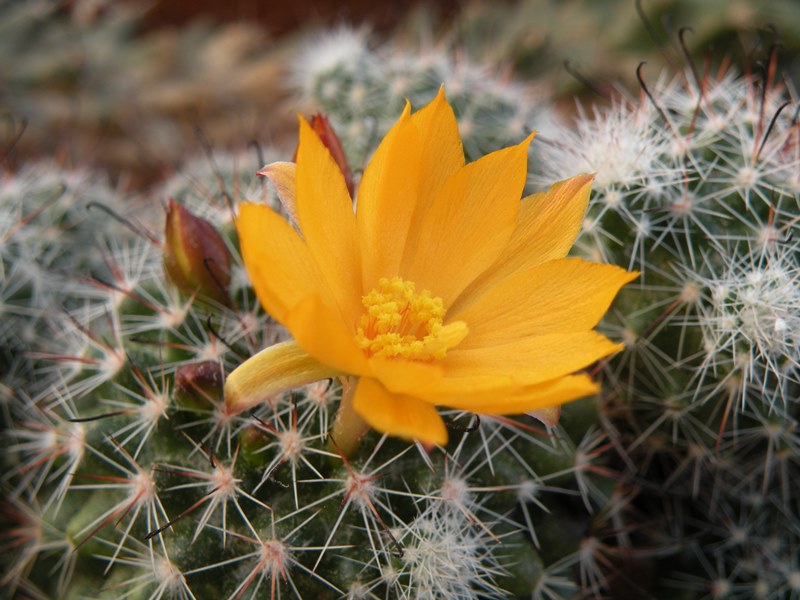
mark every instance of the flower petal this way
{"type": "Point", "coordinates": [325, 215]}
{"type": "Point", "coordinates": [273, 370]}
{"type": "Point", "coordinates": [320, 332]}
{"type": "Point", "coordinates": [537, 397]}
{"type": "Point", "coordinates": [517, 362]}
{"type": "Point", "coordinates": [468, 224]}
{"type": "Point", "coordinates": [563, 295]}
{"type": "Point", "coordinates": [278, 261]}
{"type": "Point", "coordinates": [401, 416]}
{"type": "Point", "coordinates": [405, 376]}
{"type": "Point", "coordinates": [549, 222]}
{"type": "Point", "coordinates": [283, 176]}
{"type": "Point", "coordinates": [547, 225]}
{"type": "Point", "coordinates": [407, 171]}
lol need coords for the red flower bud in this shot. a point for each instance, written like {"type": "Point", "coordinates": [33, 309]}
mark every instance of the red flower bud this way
{"type": "Point", "coordinates": [195, 256]}
{"type": "Point", "coordinates": [199, 385]}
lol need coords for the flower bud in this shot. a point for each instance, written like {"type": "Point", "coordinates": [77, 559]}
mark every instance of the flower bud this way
{"type": "Point", "coordinates": [252, 443]}
{"type": "Point", "coordinates": [195, 256]}
{"type": "Point", "coordinates": [199, 385]}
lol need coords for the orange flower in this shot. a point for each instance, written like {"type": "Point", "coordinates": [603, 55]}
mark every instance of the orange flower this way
{"type": "Point", "coordinates": [441, 289]}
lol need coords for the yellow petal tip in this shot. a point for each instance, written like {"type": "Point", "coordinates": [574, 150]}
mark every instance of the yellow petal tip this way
{"type": "Point", "coordinates": [530, 137]}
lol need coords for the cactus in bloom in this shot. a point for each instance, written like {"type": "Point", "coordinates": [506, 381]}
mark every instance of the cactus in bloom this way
{"type": "Point", "coordinates": [127, 475]}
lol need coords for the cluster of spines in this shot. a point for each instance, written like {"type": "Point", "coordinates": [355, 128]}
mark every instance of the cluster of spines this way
{"type": "Point", "coordinates": [696, 187]}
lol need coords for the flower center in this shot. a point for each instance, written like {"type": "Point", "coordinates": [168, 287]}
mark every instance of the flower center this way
{"type": "Point", "coordinates": [399, 322]}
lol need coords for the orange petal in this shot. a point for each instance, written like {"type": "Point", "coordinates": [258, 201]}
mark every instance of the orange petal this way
{"type": "Point", "coordinates": [319, 331]}
{"type": "Point", "coordinates": [547, 225]}
{"type": "Point", "coordinates": [401, 416]}
{"type": "Point", "coordinates": [405, 376]}
{"type": "Point", "coordinates": [541, 398]}
{"type": "Point", "coordinates": [407, 171]}
{"type": "Point", "coordinates": [273, 370]}
{"type": "Point", "coordinates": [559, 296]}
{"type": "Point", "coordinates": [278, 261]}
{"type": "Point", "coordinates": [441, 153]}
{"type": "Point", "coordinates": [517, 362]}
{"type": "Point", "coordinates": [325, 215]}
{"type": "Point", "coordinates": [468, 224]}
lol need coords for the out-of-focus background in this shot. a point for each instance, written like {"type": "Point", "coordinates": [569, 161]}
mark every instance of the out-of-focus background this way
{"type": "Point", "coordinates": [137, 87]}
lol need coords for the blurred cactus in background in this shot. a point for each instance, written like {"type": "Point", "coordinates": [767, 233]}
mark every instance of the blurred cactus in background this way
{"type": "Point", "coordinates": [363, 90]}
{"type": "Point", "coordinates": [93, 85]}
{"type": "Point", "coordinates": [125, 476]}
{"type": "Point", "coordinates": [603, 42]}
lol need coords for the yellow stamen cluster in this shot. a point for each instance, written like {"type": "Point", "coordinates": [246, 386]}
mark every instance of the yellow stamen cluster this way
{"type": "Point", "coordinates": [398, 322]}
